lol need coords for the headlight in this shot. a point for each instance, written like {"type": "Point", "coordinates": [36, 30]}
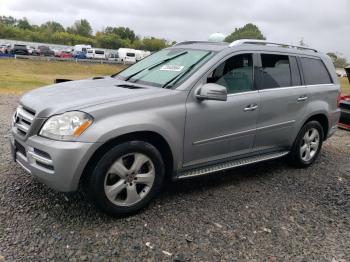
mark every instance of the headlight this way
{"type": "Point", "coordinates": [66, 126]}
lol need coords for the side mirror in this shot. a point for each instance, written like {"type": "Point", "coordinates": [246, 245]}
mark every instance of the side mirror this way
{"type": "Point", "coordinates": [211, 92]}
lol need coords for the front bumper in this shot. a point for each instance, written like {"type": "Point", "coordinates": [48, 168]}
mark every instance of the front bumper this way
{"type": "Point", "coordinates": [58, 164]}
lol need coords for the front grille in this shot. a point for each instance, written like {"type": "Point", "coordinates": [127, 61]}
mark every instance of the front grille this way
{"type": "Point", "coordinates": [23, 120]}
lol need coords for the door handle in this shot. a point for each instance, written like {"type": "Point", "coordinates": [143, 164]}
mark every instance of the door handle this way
{"type": "Point", "coordinates": [302, 98]}
{"type": "Point", "coordinates": [251, 107]}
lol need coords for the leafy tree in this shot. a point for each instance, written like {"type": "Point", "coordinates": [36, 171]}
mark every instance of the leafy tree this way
{"type": "Point", "coordinates": [52, 27]}
{"type": "Point", "coordinates": [248, 31]}
{"type": "Point", "coordinates": [23, 24]}
{"type": "Point", "coordinates": [111, 41]}
{"type": "Point", "coordinates": [81, 27]}
{"type": "Point", "coordinates": [122, 32]}
{"type": "Point", "coordinates": [8, 20]}
{"type": "Point", "coordinates": [154, 44]}
{"type": "Point", "coordinates": [79, 33]}
{"type": "Point", "coordinates": [338, 61]}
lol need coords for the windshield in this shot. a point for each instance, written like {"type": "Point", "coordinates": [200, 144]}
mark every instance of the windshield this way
{"type": "Point", "coordinates": [163, 66]}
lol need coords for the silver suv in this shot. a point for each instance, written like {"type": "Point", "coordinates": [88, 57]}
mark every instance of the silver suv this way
{"type": "Point", "coordinates": [189, 110]}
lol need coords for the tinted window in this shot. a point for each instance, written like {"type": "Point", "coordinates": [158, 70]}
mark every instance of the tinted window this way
{"type": "Point", "coordinates": [130, 54]}
{"type": "Point", "coordinates": [275, 71]}
{"type": "Point", "coordinates": [99, 52]}
{"type": "Point", "coordinates": [296, 80]}
{"type": "Point", "coordinates": [236, 74]}
{"type": "Point", "coordinates": [315, 72]}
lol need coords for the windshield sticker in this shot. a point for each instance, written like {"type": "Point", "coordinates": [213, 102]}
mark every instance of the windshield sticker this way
{"type": "Point", "coordinates": [173, 68]}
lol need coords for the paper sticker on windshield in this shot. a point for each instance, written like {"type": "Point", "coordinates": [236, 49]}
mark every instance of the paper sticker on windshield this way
{"type": "Point", "coordinates": [173, 68]}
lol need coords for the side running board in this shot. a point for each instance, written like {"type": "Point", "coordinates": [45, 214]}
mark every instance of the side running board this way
{"type": "Point", "coordinates": [228, 165]}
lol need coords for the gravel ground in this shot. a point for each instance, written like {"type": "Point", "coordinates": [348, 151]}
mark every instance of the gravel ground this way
{"type": "Point", "coordinates": [266, 212]}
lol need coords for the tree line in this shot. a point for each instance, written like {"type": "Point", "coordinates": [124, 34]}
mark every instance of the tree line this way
{"type": "Point", "coordinates": [79, 33]}
{"type": "Point", "coordinates": [111, 37]}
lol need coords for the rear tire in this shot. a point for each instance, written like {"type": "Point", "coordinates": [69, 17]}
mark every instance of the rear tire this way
{"type": "Point", "coordinates": [307, 145]}
{"type": "Point", "coordinates": [126, 179]}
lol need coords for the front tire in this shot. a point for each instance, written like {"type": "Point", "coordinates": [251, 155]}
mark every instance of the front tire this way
{"type": "Point", "coordinates": [307, 145]}
{"type": "Point", "coordinates": [126, 179]}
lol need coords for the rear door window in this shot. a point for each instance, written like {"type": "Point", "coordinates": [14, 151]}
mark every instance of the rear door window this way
{"type": "Point", "coordinates": [275, 71]}
{"type": "Point", "coordinates": [296, 79]}
{"type": "Point", "coordinates": [315, 72]}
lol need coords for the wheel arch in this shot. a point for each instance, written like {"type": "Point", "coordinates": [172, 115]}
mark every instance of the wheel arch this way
{"type": "Point", "coordinates": [323, 120]}
{"type": "Point", "coordinates": [151, 137]}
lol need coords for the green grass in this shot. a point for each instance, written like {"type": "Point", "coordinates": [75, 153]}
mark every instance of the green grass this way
{"type": "Point", "coordinates": [345, 85]}
{"type": "Point", "coordinates": [18, 76]}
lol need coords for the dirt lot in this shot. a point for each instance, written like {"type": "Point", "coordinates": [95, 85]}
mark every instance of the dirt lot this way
{"type": "Point", "coordinates": [266, 212]}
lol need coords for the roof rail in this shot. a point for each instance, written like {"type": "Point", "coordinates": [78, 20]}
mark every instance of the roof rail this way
{"type": "Point", "coordinates": [200, 42]}
{"type": "Point", "coordinates": [264, 42]}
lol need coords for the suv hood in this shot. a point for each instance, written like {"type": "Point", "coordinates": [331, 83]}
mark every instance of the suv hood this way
{"type": "Point", "coordinates": [77, 95]}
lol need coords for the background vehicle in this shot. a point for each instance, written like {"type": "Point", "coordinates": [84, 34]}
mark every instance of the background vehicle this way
{"type": "Point", "coordinates": [95, 54]}
{"type": "Point", "coordinates": [113, 57]}
{"type": "Point", "coordinates": [189, 110]}
{"type": "Point", "coordinates": [344, 121]}
{"type": "Point", "coordinates": [140, 54]}
{"type": "Point", "coordinates": [45, 51]}
{"type": "Point", "coordinates": [33, 51]}
{"type": "Point", "coordinates": [80, 55]}
{"type": "Point", "coordinates": [80, 48]}
{"type": "Point", "coordinates": [19, 50]}
{"type": "Point", "coordinates": [127, 55]}
{"type": "Point", "coordinates": [4, 49]}
{"type": "Point", "coordinates": [66, 54]}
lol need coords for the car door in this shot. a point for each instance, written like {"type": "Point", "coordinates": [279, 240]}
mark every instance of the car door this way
{"type": "Point", "coordinates": [217, 130]}
{"type": "Point", "coordinates": [283, 100]}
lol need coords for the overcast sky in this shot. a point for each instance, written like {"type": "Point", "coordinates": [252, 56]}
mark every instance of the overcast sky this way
{"type": "Point", "coordinates": [323, 24]}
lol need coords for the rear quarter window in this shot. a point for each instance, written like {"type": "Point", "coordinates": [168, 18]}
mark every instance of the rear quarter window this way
{"type": "Point", "coordinates": [315, 72]}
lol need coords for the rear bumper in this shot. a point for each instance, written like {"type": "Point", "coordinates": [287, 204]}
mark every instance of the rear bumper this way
{"type": "Point", "coordinates": [333, 122]}
{"type": "Point", "coordinates": [344, 121]}
{"type": "Point", "coordinates": [57, 164]}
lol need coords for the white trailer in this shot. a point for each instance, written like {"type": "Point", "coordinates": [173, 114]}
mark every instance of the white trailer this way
{"type": "Point", "coordinates": [80, 48]}
{"type": "Point", "coordinates": [140, 54]}
{"type": "Point", "coordinates": [127, 55]}
{"type": "Point", "coordinates": [93, 53]}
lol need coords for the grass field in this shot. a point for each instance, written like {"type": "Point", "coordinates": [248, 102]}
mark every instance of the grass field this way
{"type": "Point", "coordinates": [18, 76]}
{"type": "Point", "coordinates": [345, 86]}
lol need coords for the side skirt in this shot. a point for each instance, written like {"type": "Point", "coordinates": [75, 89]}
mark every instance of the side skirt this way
{"type": "Point", "coordinates": [228, 165]}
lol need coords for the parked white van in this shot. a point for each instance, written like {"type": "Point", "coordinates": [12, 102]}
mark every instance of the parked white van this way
{"type": "Point", "coordinates": [95, 54]}
{"type": "Point", "coordinates": [127, 55]}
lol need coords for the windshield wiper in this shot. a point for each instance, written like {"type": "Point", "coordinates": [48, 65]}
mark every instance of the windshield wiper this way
{"type": "Point", "coordinates": [179, 76]}
{"type": "Point", "coordinates": [155, 65]}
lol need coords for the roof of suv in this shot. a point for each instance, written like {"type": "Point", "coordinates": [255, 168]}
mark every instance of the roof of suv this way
{"type": "Point", "coordinates": [249, 45]}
